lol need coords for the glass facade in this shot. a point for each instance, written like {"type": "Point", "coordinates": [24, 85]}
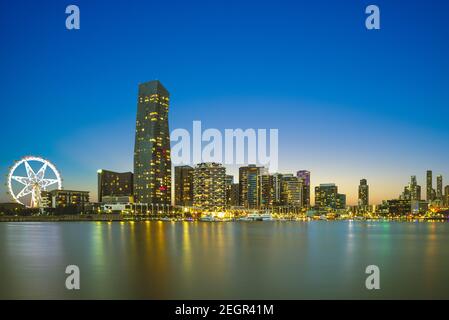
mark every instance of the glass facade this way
{"type": "Point", "coordinates": [152, 161]}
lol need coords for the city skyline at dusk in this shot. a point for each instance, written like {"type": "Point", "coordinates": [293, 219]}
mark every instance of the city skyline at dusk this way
{"type": "Point", "coordinates": [344, 108]}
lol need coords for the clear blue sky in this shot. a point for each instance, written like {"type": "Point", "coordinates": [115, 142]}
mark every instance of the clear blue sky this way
{"type": "Point", "coordinates": [349, 103]}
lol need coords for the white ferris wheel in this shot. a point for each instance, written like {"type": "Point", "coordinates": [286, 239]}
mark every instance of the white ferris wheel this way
{"type": "Point", "coordinates": [30, 176]}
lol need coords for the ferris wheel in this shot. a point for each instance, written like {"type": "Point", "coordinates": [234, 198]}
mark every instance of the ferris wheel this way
{"type": "Point", "coordinates": [28, 177]}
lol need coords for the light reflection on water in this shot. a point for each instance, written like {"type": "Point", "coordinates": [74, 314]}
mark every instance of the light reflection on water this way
{"type": "Point", "coordinates": [189, 260]}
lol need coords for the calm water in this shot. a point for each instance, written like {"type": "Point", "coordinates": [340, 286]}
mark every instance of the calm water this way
{"type": "Point", "coordinates": [259, 260]}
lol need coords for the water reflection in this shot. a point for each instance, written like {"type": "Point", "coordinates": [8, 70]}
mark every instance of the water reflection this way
{"type": "Point", "coordinates": [188, 260]}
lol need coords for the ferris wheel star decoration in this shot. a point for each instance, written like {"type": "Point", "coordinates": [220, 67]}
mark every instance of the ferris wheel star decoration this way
{"type": "Point", "coordinates": [34, 182]}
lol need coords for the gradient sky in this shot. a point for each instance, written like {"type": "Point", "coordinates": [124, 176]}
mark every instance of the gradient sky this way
{"type": "Point", "coordinates": [349, 103]}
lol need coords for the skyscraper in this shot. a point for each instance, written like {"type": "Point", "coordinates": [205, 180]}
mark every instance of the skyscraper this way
{"type": "Point", "coordinates": [326, 196]}
{"type": "Point", "coordinates": [429, 190]}
{"type": "Point", "coordinates": [152, 162]}
{"type": "Point", "coordinates": [229, 181]}
{"type": "Point", "coordinates": [266, 191]}
{"type": "Point", "coordinates": [183, 186]}
{"type": "Point", "coordinates": [412, 191]}
{"type": "Point", "coordinates": [234, 198]}
{"type": "Point", "coordinates": [446, 195]}
{"type": "Point", "coordinates": [363, 194]}
{"type": "Point", "coordinates": [341, 201]}
{"type": "Point", "coordinates": [114, 184]}
{"type": "Point", "coordinates": [305, 176]}
{"type": "Point", "coordinates": [292, 190]}
{"type": "Point", "coordinates": [277, 189]}
{"type": "Point", "coordinates": [209, 186]}
{"type": "Point", "coordinates": [249, 184]}
{"type": "Point", "coordinates": [439, 194]}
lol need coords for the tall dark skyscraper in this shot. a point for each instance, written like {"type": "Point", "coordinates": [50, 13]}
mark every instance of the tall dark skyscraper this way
{"type": "Point", "coordinates": [184, 186]}
{"type": "Point", "coordinates": [305, 176]}
{"type": "Point", "coordinates": [152, 162]}
{"type": "Point", "coordinates": [429, 189]}
{"type": "Point", "coordinates": [363, 193]}
{"type": "Point", "coordinates": [439, 187]}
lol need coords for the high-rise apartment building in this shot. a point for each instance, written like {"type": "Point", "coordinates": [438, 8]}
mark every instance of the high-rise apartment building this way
{"type": "Point", "coordinates": [305, 176]}
{"type": "Point", "coordinates": [429, 189]}
{"type": "Point", "coordinates": [446, 195]}
{"type": "Point", "coordinates": [266, 191]}
{"type": "Point", "coordinates": [326, 196]}
{"type": "Point", "coordinates": [152, 162]}
{"type": "Point", "coordinates": [249, 184]}
{"type": "Point", "coordinates": [184, 186]}
{"type": "Point", "coordinates": [292, 190]}
{"type": "Point", "coordinates": [277, 189]}
{"type": "Point", "coordinates": [209, 189]}
{"type": "Point", "coordinates": [439, 193]}
{"type": "Point", "coordinates": [234, 198]}
{"type": "Point", "coordinates": [114, 184]}
{"type": "Point", "coordinates": [229, 181]}
{"type": "Point", "coordinates": [363, 194]}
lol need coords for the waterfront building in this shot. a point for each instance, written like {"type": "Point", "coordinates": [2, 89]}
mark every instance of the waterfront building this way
{"type": "Point", "coordinates": [363, 194]}
{"type": "Point", "coordinates": [114, 184]}
{"type": "Point", "coordinates": [341, 201]}
{"type": "Point", "coordinates": [184, 186]}
{"type": "Point", "coordinates": [419, 206]}
{"type": "Point", "coordinates": [234, 198]}
{"type": "Point", "coordinates": [152, 162]}
{"type": "Point", "coordinates": [398, 207]}
{"type": "Point", "coordinates": [73, 201]}
{"type": "Point", "coordinates": [277, 189]}
{"type": "Point", "coordinates": [439, 191]}
{"type": "Point", "coordinates": [249, 184]}
{"type": "Point", "coordinates": [326, 196]}
{"type": "Point", "coordinates": [266, 191]}
{"type": "Point", "coordinates": [412, 191]}
{"type": "Point", "coordinates": [229, 181]}
{"type": "Point", "coordinates": [209, 191]}
{"type": "Point", "coordinates": [446, 195]}
{"type": "Point", "coordinates": [292, 191]}
{"type": "Point", "coordinates": [429, 189]}
{"type": "Point", "coordinates": [305, 176]}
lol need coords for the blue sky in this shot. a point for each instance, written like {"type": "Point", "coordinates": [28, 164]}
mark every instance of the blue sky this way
{"type": "Point", "coordinates": [349, 103]}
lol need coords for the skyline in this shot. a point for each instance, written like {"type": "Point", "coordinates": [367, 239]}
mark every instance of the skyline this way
{"type": "Point", "coordinates": [384, 93]}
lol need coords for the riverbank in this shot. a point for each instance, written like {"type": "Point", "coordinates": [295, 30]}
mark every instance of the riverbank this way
{"type": "Point", "coordinates": [119, 217]}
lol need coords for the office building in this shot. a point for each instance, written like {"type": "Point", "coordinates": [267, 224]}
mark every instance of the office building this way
{"type": "Point", "coordinates": [229, 181]}
{"type": "Point", "coordinates": [184, 186]}
{"type": "Point", "coordinates": [439, 191]}
{"type": "Point", "coordinates": [234, 198]}
{"type": "Point", "coordinates": [341, 201]}
{"type": "Point", "coordinates": [266, 191]}
{"type": "Point", "coordinates": [292, 191]}
{"type": "Point", "coordinates": [429, 189]}
{"type": "Point", "coordinates": [249, 184]}
{"type": "Point", "coordinates": [363, 194]}
{"type": "Point", "coordinates": [277, 189]}
{"type": "Point", "coordinates": [72, 200]}
{"type": "Point", "coordinates": [114, 184]}
{"type": "Point", "coordinates": [305, 176]}
{"type": "Point", "coordinates": [326, 196]}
